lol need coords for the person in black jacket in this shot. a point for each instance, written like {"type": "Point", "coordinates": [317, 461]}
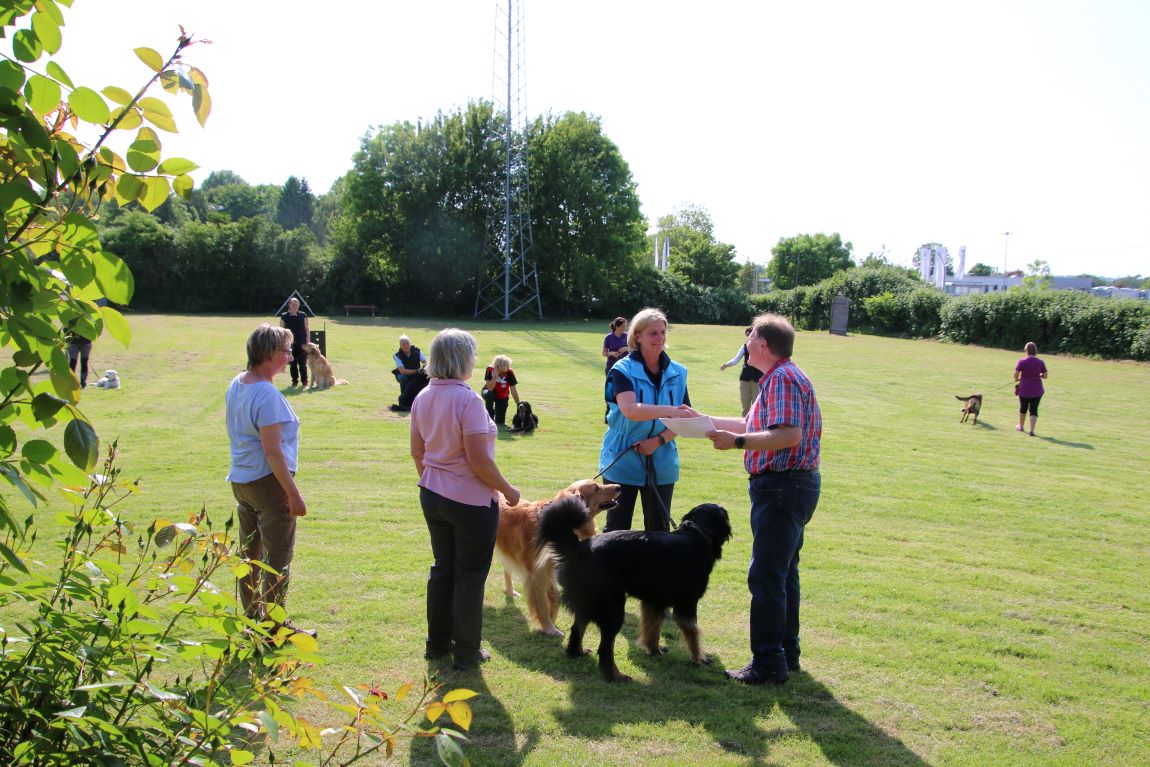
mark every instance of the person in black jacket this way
{"type": "Point", "coordinates": [296, 321]}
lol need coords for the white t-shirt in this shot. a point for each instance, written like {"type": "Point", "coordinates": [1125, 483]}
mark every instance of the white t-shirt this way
{"type": "Point", "coordinates": [249, 407]}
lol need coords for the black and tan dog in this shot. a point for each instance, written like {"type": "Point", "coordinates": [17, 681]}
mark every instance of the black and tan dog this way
{"type": "Point", "coordinates": [524, 419]}
{"type": "Point", "coordinates": [971, 408]}
{"type": "Point", "coordinates": [661, 570]}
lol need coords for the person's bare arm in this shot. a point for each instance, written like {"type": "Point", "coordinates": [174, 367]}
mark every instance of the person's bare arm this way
{"type": "Point", "coordinates": [270, 436]}
{"type": "Point", "coordinates": [475, 448]}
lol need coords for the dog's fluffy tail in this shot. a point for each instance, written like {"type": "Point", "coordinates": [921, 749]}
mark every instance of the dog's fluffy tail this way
{"type": "Point", "coordinates": [558, 523]}
{"type": "Point", "coordinates": [964, 399]}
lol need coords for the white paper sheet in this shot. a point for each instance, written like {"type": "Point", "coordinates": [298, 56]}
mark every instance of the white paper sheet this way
{"type": "Point", "coordinates": [689, 427]}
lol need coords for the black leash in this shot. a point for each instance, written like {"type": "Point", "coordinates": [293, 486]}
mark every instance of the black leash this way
{"type": "Point", "coordinates": [651, 486]}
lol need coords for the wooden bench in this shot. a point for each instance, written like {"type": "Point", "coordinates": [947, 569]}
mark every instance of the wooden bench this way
{"type": "Point", "coordinates": [349, 308]}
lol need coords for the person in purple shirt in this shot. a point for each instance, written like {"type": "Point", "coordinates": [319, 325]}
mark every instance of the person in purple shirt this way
{"type": "Point", "coordinates": [1028, 373]}
{"type": "Point", "coordinates": [615, 343]}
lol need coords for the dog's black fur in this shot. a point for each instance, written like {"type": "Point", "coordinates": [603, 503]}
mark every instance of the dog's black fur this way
{"type": "Point", "coordinates": [662, 570]}
{"type": "Point", "coordinates": [524, 419]}
{"type": "Point", "coordinates": [973, 405]}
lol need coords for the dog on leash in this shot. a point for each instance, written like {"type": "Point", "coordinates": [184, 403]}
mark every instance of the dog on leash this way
{"type": "Point", "coordinates": [524, 420]}
{"type": "Point", "coordinates": [662, 570]}
{"type": "Point", "coordinates": [320, 369]}
{"type": "Point", "coordinates": [971, 408]}
{"type": "Point", "coordinates": [111, 380]}
{"type": "Point", "coordinates": [519, 551]}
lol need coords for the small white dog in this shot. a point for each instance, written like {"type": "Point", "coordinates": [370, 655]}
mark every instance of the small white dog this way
{"type": "Point", "coordinates": [111, 380]}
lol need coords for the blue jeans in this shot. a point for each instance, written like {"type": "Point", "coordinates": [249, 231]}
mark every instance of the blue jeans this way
{"type": "Point", "coordinates": [781, 505]}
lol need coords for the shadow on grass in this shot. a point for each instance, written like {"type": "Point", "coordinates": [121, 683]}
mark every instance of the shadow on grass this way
{"type": "Point", "coordinates": [492, 737]}
{"type": "Point", "coordinates": [1066, 443]}
{"type": "Point", "coordinates": [676, 691]}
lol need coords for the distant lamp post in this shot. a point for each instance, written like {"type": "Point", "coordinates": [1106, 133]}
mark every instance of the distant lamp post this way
{"type": "Point", "coordinates": [1005, 250]}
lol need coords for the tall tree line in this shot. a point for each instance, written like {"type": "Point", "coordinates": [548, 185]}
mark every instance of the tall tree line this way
{"type": "Point", "coordinates": [408, 228]}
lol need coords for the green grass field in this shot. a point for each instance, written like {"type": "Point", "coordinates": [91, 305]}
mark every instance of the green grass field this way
{"type": "Point", "coordinates": [972, 596]}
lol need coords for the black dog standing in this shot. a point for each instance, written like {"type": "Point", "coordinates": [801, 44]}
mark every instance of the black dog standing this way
{"type": "Point", "coordinates": [662, 570]}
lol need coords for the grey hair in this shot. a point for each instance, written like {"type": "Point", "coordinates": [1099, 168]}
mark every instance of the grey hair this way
{"type": "Point", "coordinates": [404, 338]}
{"type": "Point", "coordinates": [640, 322]}
{"type": "Point", "coordinates": [452, 354]}
{"type": "Point", "coordinates": [265, 342]}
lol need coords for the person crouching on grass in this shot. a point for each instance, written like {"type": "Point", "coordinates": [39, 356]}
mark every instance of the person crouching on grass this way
{"type": "Point", "coordinates": [499, 386]}
{"type": "Point", "coordinates": [781, 435]}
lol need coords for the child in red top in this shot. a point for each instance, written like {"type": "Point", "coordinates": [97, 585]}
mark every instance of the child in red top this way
{"type": "Point", "coordinates": [499, 385]}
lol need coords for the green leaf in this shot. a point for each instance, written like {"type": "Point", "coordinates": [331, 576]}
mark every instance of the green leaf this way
{"type": "Point", "coordinates": [47, 28]}
{"type": "Point", "coordinates": [117, 95]}
{"type": "Point", "coordinates": [128, 188]}
{"type": "Point", "coordinates": [57, 71]}
{"type": "Point", "coordinates": [89, 105]}
{"type": "Point", "coordinates": [12, 558]}
{"type": "Point", "coordinates": [7, 440]}
{"type": "Point", "coordinates": [80, 232]}
{"type": "Point", "coordinates": [156, 192]}
{"type": "Point", "coordinates": [9, 473]}
{"type": "Point", "coordinates": [77, 267]}
{"type": "Point", "coordinates": [26, 46]}
{"type": "Point", "coordinates": [154, 106]}
{"type": "Point", "coordinates": [45, 405]}
{"type": "Point", "coordinates": [183, 185]}
{"type": "Point", "coordinates": [12, 75]}
{"type": "Point", "coordinates": [241, 757]}
{"type": "Point", "coordinates": [81, 444]}
{"type": "Point", "coordinates": [154, 60]}
{"type": "Point", "coordinates": [114, 277]}
{"type": "Point", "coordinates": [42, 93]}
{"type": "Point", "coordinates": [201, 103]}
{"type": "Point", "coordinates": [131, 120]}
{"type": "Point", "coordinates": [69, 160]}
{"type": "Point", "coordinates": [143, 155]}
{"type": "Point", "coordinates": [116, 325]}
{"type": "Point", "coordinates": [177, 166]}
{"type": "Point", "coordinates": [38, 450]}
{"type": "Point", "coordinates": [33, 132]}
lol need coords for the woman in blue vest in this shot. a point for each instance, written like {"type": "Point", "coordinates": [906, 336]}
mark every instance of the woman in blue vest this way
{"type": "Point", "coordinates": [640, 452]}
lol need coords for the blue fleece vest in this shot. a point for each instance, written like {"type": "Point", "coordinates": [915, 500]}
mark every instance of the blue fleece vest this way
{"type": "Point", "coordinates": [622, 432]}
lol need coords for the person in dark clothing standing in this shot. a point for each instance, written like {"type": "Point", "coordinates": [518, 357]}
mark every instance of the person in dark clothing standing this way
{"type": "Point", "coordinates": [79, 349]}
{"type": "Point", "coordinates": [748, 377]}
{"type": "Point", "coordinates": [296, 321]}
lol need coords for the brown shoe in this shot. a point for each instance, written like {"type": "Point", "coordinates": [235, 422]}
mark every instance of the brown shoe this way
{"type": "Point", "coordinates": [287, 624]}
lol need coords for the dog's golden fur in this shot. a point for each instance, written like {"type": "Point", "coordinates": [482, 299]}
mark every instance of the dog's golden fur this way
{"type": "Point", "coordinates": [319, 369]}
{"type": "Point", "coordinates": [523, 558]}
{"type": "Point", "coordinates": [971, 408]}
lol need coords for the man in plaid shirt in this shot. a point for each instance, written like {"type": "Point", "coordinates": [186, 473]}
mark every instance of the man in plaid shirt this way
{"type": "Point", "coordinates": [781, 437]}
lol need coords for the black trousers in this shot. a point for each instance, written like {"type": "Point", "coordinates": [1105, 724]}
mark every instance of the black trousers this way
{"type": "Point", "coordinates": [619, 518]}
{"type": "Point", "coordinates": [463, 542]}
{"type": "Point", "coordinates": [298, 365]}
{"type": "Point", "coordinates": [496, 409]}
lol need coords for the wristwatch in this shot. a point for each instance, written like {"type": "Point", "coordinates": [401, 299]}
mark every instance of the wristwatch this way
{"type": "Point", "coordinates": [740, 442]}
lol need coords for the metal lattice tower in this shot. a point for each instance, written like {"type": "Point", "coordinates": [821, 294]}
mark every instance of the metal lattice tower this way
{"type": "Point", "coordinates": [510, 282]}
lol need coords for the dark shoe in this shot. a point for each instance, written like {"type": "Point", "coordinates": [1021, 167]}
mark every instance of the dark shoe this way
{"type": "Point", "coordinates": [436, 654]}
{"type": "Point", "coordinates": [748, 674]}
{"type": "Point", "coordinates": [793, 664]}
{"type": "Point", "coordinates": [398, 409]}
{"type": "Point", "coordinates": [467, 665]}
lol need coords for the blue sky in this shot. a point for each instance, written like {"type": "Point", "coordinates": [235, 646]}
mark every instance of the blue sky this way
{"type": "Point", "coordinates": [892, 123]}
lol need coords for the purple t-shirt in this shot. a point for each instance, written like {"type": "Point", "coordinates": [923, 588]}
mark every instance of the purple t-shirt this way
{"type": "Point", "coordinates": [441, 415]}
{"type": "Point", "coordinates": [614, 343]}
{"type": "Point", "coordinates": [1030, 382]}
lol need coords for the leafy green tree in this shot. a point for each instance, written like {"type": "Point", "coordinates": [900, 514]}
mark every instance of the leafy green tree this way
{"type": "Point", "coordinates": [235, 202]}
{"type": "Point", "coordinates": [695, 253]}
{"type": "Point", "coordinates": [413, 223]}
{"type": "Point", "coordinates": [981, 270]}
{"type": "Point", "coordinates": [296, 204]}
{"type": "Point", "coordinates": [87, 678]}
{"type": "Point", "coordinates": [749, 274]}
{"type": "Point", "coordinates": [807, 259]}
{"type": "Point", "coordinates": [587, 224]}
{"type": "Point", "coordinates": [1038, 276]}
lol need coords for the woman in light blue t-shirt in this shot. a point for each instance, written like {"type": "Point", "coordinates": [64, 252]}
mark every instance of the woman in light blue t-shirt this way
{"type": "Point", "coordinates": [264, 434]}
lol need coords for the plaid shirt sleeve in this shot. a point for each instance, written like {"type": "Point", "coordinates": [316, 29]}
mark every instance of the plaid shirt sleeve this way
{"type": "Point", "coordinates": [784, 402]}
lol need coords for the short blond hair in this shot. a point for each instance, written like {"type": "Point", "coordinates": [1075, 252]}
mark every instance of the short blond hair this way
{"type": "Point", "coordinates": [452, 354]}
{"type": "Point", "coordinates": [502, 363]}
{"type": "Point", "coordinates": [265, 342]}
{"type": "Point", "coordinates": [640, 322]}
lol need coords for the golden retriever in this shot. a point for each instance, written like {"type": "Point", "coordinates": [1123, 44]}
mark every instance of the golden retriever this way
{"type": "Point", "coordinates": [320, 369]}
{"type": "Point", "coordinates": [522, 556]}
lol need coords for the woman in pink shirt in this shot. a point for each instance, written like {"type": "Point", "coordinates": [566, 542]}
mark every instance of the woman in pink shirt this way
{"type": "Point", "coordinates": [453, 446]}
{"type": "Point", "coordinates": [1028, 373]}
